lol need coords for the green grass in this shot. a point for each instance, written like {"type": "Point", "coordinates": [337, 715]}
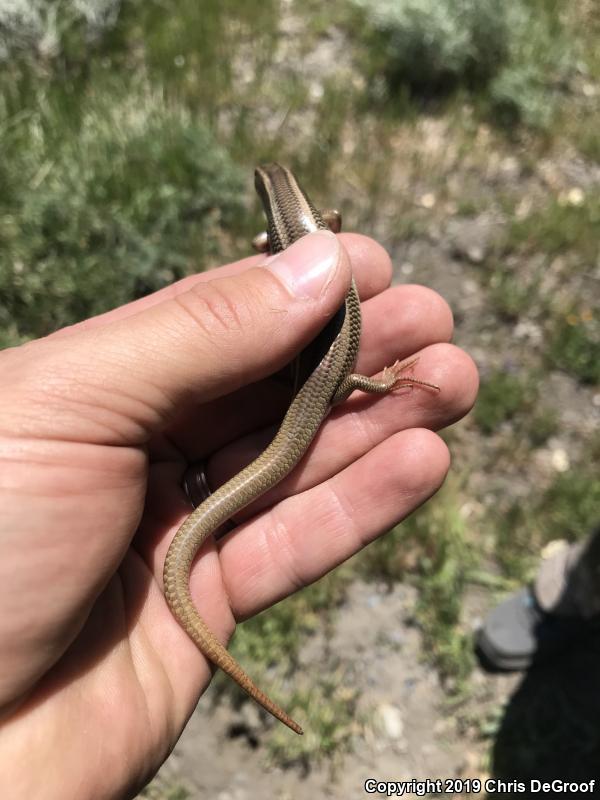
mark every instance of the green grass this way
{"type": "Point", "coordinates": [575, 345]}
{"type": "Point", "coordinates": [502, 396]}
{"type": "Point", "coordinates": [467, 207]}
{"type": "Point", "coordinates": [559, 236]}
{"type": "Point", "coordinates": [505, 397]}
{"type": "Point", "coordinates": [327, 709]}
{"type": "Point", "coordinates": [542, 423]}
{"type": "Point", "coordinates": [268, 646]}
{"type": "Point", "coordinates": [559, 227]}
{"type": "Point", "coordinates": [567, 509]}
{"type": "Point", "coordinates": [278, 634]}
{"type": "Point", "coordinates": [512, 294]}
{"type": "Point", "coordinates": [431, 549]}
{"type": "Point", "coordinates": [587, 139]}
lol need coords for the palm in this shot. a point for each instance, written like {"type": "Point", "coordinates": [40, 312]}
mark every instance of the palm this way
{"type": "Point", "coordinates": [114, 677]}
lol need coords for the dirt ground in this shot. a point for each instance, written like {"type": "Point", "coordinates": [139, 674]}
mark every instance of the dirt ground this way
{"type": "Point", "coordinates": [408, 737]}
{"type": "Point", "coordinates": [547, 717]}
{"type": "Point", "coordinates": [509, 727]}
{"type": "Point", "coordinates": [411, 730]}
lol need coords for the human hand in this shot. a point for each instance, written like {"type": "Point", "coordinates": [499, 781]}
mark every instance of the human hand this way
{"type": "Point", "coordinates": [97, 425]}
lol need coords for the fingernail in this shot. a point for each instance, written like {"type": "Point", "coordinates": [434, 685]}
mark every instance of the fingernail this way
{"type": "Point", "coordinates": [307, 266]}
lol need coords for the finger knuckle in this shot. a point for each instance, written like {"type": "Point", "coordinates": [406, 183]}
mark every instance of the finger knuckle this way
{"type": "Point", "coordinates": [218, 309]}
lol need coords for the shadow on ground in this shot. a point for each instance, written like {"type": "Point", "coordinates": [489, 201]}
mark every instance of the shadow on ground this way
{"type": "Point", "coordinates": [551, 727]}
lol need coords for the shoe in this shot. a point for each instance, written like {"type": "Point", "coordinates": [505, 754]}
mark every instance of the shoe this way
{"type": "Point", "coordinates": [517, 633]}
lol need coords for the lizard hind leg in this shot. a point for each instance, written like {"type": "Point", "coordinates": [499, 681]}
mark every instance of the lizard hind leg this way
{"type": "Point", "coordinates": [394, 375]}
{"type": "Point", "coordinates": [391, 378]}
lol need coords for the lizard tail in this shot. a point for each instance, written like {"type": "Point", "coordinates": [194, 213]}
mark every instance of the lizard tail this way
{"type": "Point", "coordinates": [180, 602]}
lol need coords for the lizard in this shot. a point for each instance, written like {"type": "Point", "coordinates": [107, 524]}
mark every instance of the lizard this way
{"type": "Point", "coordinates": [323, 378]}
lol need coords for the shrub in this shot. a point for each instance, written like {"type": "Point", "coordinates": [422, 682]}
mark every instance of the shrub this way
{"type": "Point", "coordinates": [431, 45]}
{"type": "Point", "coordinates": [514, 55]}
{"type": "Point", "coordinates": [129, 199]}
{"type": "Point", "coordinates": [51, 28]}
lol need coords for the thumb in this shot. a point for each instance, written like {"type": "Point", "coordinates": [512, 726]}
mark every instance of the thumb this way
{"type": "Point", "coordinates": [207, 341]}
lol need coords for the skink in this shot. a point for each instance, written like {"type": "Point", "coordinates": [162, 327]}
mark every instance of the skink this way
{"type": "Point", "coordinates": [323, 378]}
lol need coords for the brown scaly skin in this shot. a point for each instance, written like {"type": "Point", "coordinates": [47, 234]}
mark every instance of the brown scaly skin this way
{"type": "Point", "coordinates": [324, 378]}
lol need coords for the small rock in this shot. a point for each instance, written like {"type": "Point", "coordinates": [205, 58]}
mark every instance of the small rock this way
{"type": "Point", "coordinates": [389, 721]}
{"type": "Point", "coordinates": [427, 200]}
{"type": "Point", "coordinates": [573, 197]}
{"type": "Point", "coordinates": [509, 166]}
{"type": "Point", "coordinates": [528, 331]}
{"type": "Point", "coordinates": [475, 254]}
{"type": "Point", "coordinates": [471, 238]}
{"type": "Point", "coordinates": [560, 460]}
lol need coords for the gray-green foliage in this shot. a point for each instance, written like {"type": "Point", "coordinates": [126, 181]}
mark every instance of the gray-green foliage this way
{"type": "Point", "coordinates": [128, 202]}
{"type": "Point", "coordinates": [429, 43]}
{"type": "Point", "coordinates": [109, 188]}
{"type": "Point", "coordinates": [516, 51]}
{"type": "Point", "coordinates": [541, 58]}
{"type": "Point", "coordinates": [41, 27]}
